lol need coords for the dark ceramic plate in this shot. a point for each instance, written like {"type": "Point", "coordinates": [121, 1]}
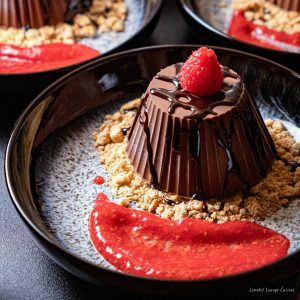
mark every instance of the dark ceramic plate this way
{"type": "Point", "coordinates": [50, 162]}
{"type": "Point", "coordinates": [215, 16]}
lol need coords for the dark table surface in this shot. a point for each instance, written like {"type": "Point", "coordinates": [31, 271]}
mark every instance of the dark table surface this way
{"type": "Point", "coordinates": [27, 273]}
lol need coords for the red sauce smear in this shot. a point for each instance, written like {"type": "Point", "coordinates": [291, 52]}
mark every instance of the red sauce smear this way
{"type": "Point", "coordinates": [14, 59]}
{"type": "Point", "coordinates": [141, 243]}
{"type": "Point", "coordinates": [98, 180]}
{"type": "Point", "coordinates": [249, 32]}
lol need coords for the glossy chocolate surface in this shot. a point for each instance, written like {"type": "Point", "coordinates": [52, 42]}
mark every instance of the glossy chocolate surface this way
{"type": "Point", "coordinates": [193, 145]}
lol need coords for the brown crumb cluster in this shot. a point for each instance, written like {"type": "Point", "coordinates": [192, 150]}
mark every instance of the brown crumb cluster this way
{"type": "Point", "coordinates": [262, 12]}
{"type": "Point", "coordinates": [265, 198]}
{"type": "Point", "coordinates": [103, 16]}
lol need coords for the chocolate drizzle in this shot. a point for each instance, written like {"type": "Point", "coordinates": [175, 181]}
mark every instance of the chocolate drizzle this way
{"type": "Point", "coordinates": [76, 7]}
{"type": "Point", "coordinates": [228, 94]}
{"type": "Point", "coordinates": [218, 124]}
{"type": "Point", "coordinates": [145, 122]}
{"type": "Point", "coordinates": [291, 164]}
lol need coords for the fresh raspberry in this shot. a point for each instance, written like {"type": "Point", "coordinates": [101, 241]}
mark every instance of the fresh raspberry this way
{"type": "Point", "coordinates": [201, 74]}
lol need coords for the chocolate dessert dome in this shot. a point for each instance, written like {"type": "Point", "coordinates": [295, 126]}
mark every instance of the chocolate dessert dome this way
{"type": "Point", "coordinates": [199, 146]}
{"type": "Point", "coordinates": [289, 5]}
{"type": "Point", "coordinates": [38, 13]}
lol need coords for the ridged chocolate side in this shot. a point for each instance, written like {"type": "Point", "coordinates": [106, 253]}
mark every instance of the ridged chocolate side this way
{"type": "Point", "coordinates": [212, 156]}
{"type": "Point", "coordinates": [37, 13]}
{"type": "Point", "coordinates": [287, 4]}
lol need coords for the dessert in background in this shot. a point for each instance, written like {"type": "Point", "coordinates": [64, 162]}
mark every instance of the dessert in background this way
{"type": "Point", "coordinates": [273, 24]}
{"type": "Point", "coordinates": [35, 14]}
{"type": "Point", "coordinates": [28, 23]}
{"type": "Point", "coordinates": [193, 136]}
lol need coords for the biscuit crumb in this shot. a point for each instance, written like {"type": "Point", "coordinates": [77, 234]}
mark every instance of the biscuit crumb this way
{"type": "Point", "coordinates": [270, 194]}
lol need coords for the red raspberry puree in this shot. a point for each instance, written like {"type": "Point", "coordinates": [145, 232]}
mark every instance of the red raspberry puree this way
{"type": "Point", "coordinates": [14, 59]}
{"type": "Point", "coordinates": [141, 243]}
{"type": "Point", "coordinates": [249, 32]}
{"type": "Point", "coordinates": [98, 180]}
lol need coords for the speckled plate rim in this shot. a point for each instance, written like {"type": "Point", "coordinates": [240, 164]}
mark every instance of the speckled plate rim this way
{"type": "Point", "coordinates": [151, 20]}
{"type": "Point", "coordinates": [288, 260]}
{"type": "Point", "coordinates": [186, 8]}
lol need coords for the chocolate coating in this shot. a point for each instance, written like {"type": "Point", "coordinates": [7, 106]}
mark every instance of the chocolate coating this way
{"type": "Point", "coordinates": [210, 146]}
{"type": "Point", "coordinates": [37, 13]}
{"type": "Point", "coordinates": [287, 4]}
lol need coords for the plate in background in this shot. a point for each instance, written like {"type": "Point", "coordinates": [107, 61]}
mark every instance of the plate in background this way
{"type": "Point", "coordinates": [215, 16]}
{"type": "Point", "coordinates": [141, 18]}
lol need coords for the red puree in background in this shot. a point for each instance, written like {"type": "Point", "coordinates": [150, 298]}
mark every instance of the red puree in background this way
{"type": "Point", "coordinates": [141, 243]}
{"type": "Point", "coordinates": [14, 59]}
{"type": "Point", "coordinates": [247, 31]}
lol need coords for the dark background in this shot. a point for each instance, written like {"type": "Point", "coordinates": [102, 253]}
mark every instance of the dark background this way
{"type": "Point", "coordinates": [27, 273]}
